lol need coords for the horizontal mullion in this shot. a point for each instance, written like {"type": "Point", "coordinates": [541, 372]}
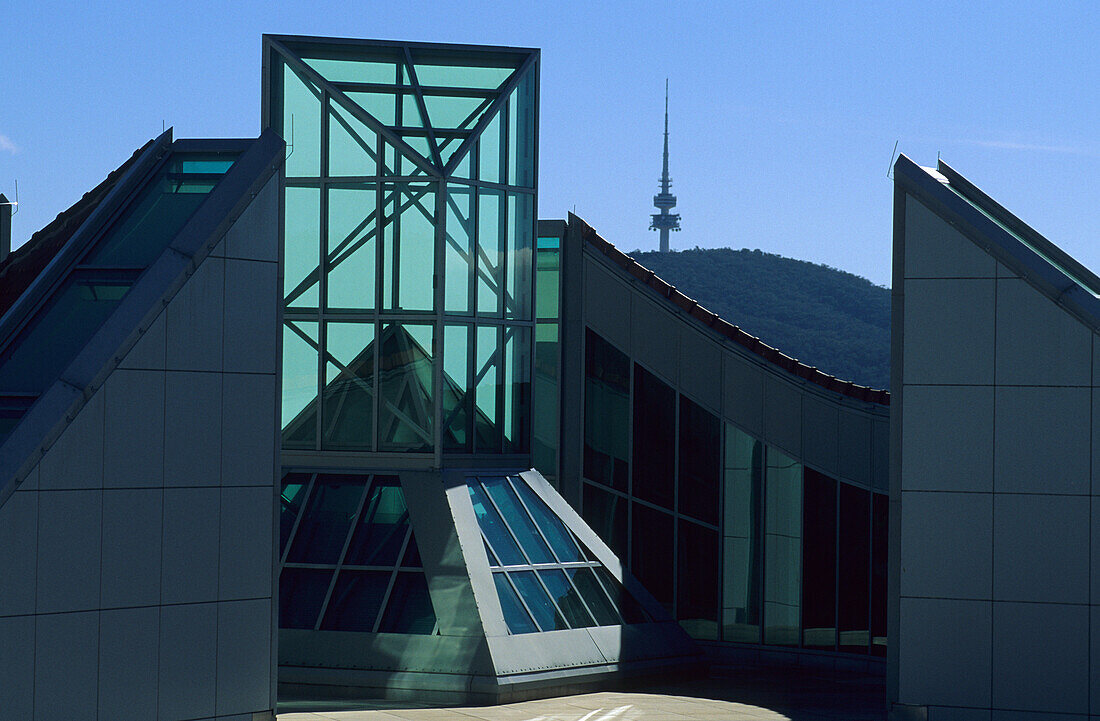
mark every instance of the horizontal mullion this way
{"type": "Point", "coordinates": [549, 566]}
{"type": "Point", "coordinates": [492, 186]}
{"type": "Point", "coordinates": [395, 89]}
{"type": "Point", "coordinates": [320, 182]}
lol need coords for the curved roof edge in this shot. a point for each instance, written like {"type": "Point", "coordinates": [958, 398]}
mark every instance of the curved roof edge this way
{"type": "Point", "coordinates": [723, 327]}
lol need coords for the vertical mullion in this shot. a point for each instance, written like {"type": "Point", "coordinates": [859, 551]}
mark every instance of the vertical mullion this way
{"type": "Point", "coordinates": [343, 551]}
{"type": "Point", "coordinates": [297, 521]}
{"type": "Point", "coordinates": [438, 300]}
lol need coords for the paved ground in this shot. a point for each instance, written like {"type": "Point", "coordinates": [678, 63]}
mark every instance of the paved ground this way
{"type": "Point", "coordinates": [797, 695]}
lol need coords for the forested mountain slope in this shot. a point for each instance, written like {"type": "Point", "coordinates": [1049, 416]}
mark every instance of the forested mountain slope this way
{"type": "Point", "coordinates": [820, 315]}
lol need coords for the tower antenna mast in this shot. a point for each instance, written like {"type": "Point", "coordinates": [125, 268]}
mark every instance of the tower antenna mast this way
{"type": "Point", "coordinates": [665, 201]}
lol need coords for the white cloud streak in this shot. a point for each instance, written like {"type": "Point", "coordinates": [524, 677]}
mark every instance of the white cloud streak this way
{"type": "Point", "coordinates": [1003, 145]}
{"type": "Point", "coordinates": [6, 145]}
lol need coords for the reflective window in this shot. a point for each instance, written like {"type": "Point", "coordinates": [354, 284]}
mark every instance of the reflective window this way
{"type": "Point", "coordinates": [534, 595]}
{"type": "Point", "coordinates": [606, 412]}
{"type": "Point", "coordinates": [383, 526]}
{"type": "Point", "coordinates": [654, 466]}
{"type": "Point", "coordinates": [300, 361]}
{"type": "Point", "coordinates": [405, 388]}
{"type": "Point", "coordinates": [352, 248]}
{"type": "Point", "coordinates": [353, 148]}
{"type": "Point", "coordinates": [302, 247]}
{"type": "Point", "coordinates": [700, 462]}
{"type": "Point", "coordinates": [491, 237]}
{"type": "Point", "coordinates": [324, 526]}
{"type": "Point", "coordinates": [459, 253]}
{"type": "Point", "coordinates": [356, 601]}
{"type": "Point", "coordinates": [301, 124]}
{"type": "Point", "coordinates": [743, 558]}
{"type": "Point", "coordinates": [855, 568]}
{"type": "Point", "coordinates": [651, 552]}
{"type": "Point", "coordinates": [301, 593]}
{"type": "Point", "coordinates": [348, 399]}
{"type": "Point", "coordinates": [516, 410]}
{"type": "Point", "coordinates": [697, 580]}
{"type": "Point", "coordinates": [605, 513]}
{"type": "Point", "coordinates": [782, 549]}
{"type": "Point", "coordinates": [457, 347]}
{"type": "Point", "coordinates": [409, 607]}
{"type": "Point", "coordinates": [515, 615]}
{"type": "Point", "coordinates": [819, 560]}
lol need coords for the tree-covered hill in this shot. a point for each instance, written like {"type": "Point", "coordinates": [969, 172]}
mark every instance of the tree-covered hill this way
{"type": "Point", "coordinates": [820, 315]}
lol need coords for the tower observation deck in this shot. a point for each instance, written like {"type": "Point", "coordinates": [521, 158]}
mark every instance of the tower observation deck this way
{"type": "Point", "coordinates": [665, 200]}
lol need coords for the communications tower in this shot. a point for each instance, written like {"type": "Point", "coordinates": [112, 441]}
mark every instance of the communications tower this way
{"type": "Point", "coordinates": [665, 200]}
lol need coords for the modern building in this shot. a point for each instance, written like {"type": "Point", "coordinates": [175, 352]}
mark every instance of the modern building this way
{"type": "Point", "coordinates": [992, 472]}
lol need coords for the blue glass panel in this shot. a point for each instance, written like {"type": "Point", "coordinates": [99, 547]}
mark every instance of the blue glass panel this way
{"type": "Point", "coordinates": [546, 615]}
{"type": "Point", "coordinates": [409, 608]}
{"type": "Point", "coordinates": [328, 517]}
{"type": "Point", "coordinates": [567, 598]}
{"type": "Point", "coordinates": [356, 601]}
{"type": "Point", "coordinates": [565, 548]}
{"type": "Point", "coordinates": [503, 545]}
{"type": "Point", "coordinates": [301, 593]}
{"type": "Point", "coordinates": [528, 536]}
{"type": "Point", "coordinates": [515, 615]}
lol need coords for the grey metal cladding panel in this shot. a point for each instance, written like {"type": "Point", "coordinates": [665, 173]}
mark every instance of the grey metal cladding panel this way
{"type": "Point", "coordinates": [148, 352]}
{"type": "Point", "coordinates": [255, 234]}
{"type": "Point", "coordinates": [246, 550]}
{"type": "Point", "coordinates": [743, 389]}
{"type": "Point", "coordinates": [249, 404]}
{"type": "Point", "coordinates": [134, 429]}
{"type": "Point", "coordinates": [946, 657]}
{"type": "Point", "coordinates": [1041, 657]}
{"type": "Point", "coordinates": [69, 531]}
{"type": "Point", "coordinates": [1039, 544]}
{"type": "Point", "coordinates": [656, 335]}
{"type": "Point", "coordinates": [75, 460]}
{"type": "Point", "coordinates": [936, 249]}
{"type": "Point", "coordinates": [820, 433]}
{"type": "Point", "coordinates": [701, 369]}
{"type": "Point", "coordinates": [880, 452]}
{"type": "Point", "coordinates": [192, 428]}
{"type": "Point", "coordinates": [782, 415]}
{"type": "Point", "coordinates": [195, 318]}
{"type": "Point", "coordinates": [544, 651]}
{"type": "Point", "coordinates": [947, 545]}
{"type": "Point", "coordinates": [244, 680]}
{"type": "Point", "coordinates": [19, 558]}
{"type": "Point", "coordinates": [251, 308]}
{"type": "Point", "coordinates": [949, 331]}
{"type": "Point", "coordinates": [17, 666]}
{"type": "Point", "coordinates": [1042, 440]}
{"type": "Point", "coordinates": [188, 660]}
{"type": "Point", "coordinates": [129, 649]}
{"type": "Point", "coordinates": [190, 559]}
{"type": "Point", "coordinates": [459, 580]}
{"type": "Point", "coordinates": [606, 303]}
{"type": "Point", "coordinates": [947, 438]}
{"type": "Point", "coordinates": [66, 666]}
{"type": "Point", "coordinates": [132, 521]}
{"type": "Point", "coordinates": [855, 431]}
{"type": "Point", "coordinates": [1039, 343]}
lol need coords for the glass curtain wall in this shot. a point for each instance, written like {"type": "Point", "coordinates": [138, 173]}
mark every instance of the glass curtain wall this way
{"type": "Point", "coordinates": [739, 540]}
{"type": "Point", "coordinates": [408, 245]}
{"type": "Point", "coordinates": [546, 430]}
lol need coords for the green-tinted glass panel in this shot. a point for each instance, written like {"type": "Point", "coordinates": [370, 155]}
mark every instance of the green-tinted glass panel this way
{"type": "Point", "coordinates": [521, 227]}
{"type": "Point", "coordinates": [382, 526]}
{"type": "Point", "coordinates": [490, 155]}
{"type": "Point", "coordinates": [380, 106]}
{"type": "Point", "coordinates": [352, 146]}
{"type": "Point", "coordinates": [782, 549]}
{"type": "Point", "coordinates": [406, 409]}
{"type": "Point", "coordinates": [567, 598]}
{"type": "Point", "coordinates": [352, 246]}
{"type": "Point", "coordinates": [420, 144]}
{"type": "Point", "coordinates": [561, 540]}
{"type": "Point", "coordinates": [300, 365]}
{"type": "Point", "coordinates": [606, 412]}
{"type": "Point", "coordinates": [202, 164]}
{"type": "Point", "coordinates": [301, 125]}
{"type": "Point", "coordinates": [491, 231]}
{"type": "Point", "coordinates": [457, 346]}
{"type": "Point", "coordinates": [547, 287]}
{"type": "Point", "coordinates": [408, 251]}
{"type": "Point", "coordinates": [324, 527]}
{"type": "Point", "coordinates": [290, 504]}
{"type": "Point", "coordinates": [410, 112]}
{"type": "Point", "coordinates": [348, 401]}
{"type": "Point", "coordinates": [464, 166]}
{"type": "Point", "coordinates": [38, 355]}
{"type": "Point", "coordinates": [354, 71]}
{"type": "Point", "coordinates": [500, 540]}
{"type": "Point", "coordinates": [409, 608]}
{"type": "Point", "coordinates": [356, 601]}
{"type": "Point", "coordinates": [487, 390]}
{"type": "Point", "coordinates": [458, 249]}
{"type": "Point", "coordinates": [533, 593]}
{"type": "Point", "coordinates": [521, 132]}
{"type": "Point", "coordinates": [448, 111]}
{"type": "Point", "coordinates": [302, 247]}
{"type": "Point", "coordinates": [521, 524]}
{"type": "Point", "coordinates": [301, 594]}
{"type": "Point", "coordinates": [545, 392]}
{"type": "Point", "coordinates": [598, 603]}
{"type": "Point", "coordinates": [515, 615]}
{"type": "Point", "coordinates": [516, 418]}
{"type": "Point", "coordinates": [743, 558]}
{"type": "Point", "coordinates": [454, 76]}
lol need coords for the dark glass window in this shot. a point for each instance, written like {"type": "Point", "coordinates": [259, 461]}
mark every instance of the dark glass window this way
{"type": "Point", "coordinates": [356, 601]}
{"type": "Point", "coordinates": [382, 527]}
{"type": "Point", "coordinates": [567, 598]}
{"type": "Point", "coordinates": [782, 549]}
{"type": "Point", "coordinates": [405, 388]}
{"type": "Point", "coordinates": [295, 486]}
{"type": "Point", "coordinates": [654, 466]}
{"type": "Point", "coordinates": [651, 557]}
{"type": "Point", "coordinates": [606, 409]}
{"type": "Point", "coordinates": [700, 462]}
{"type": "Point", "coordinates": [605, 513]}
{"type": "Point", "coordinates": [818, 560]}
{"type": "Point", "coordinates": [855, 568]}
{"type": "Point", "coordinates": [598, 602]}
{"type": "Point", "coordinates": [301, 594]}
{"type": "Point", "coordinates": [325, 524]}
{"type": "Point", "coordinates": [627, 606]}
{"type": "Point", "coordinates": [697, 580]}
{"type": "Point", "coordinates": [743, 523]}
{"type": "Point", "coordinates": [879, 560]}
{"type": "Point", "coordinates": [409, 608]}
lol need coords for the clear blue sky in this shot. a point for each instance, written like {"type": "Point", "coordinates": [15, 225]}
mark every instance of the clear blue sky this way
{"type": "Point", "coordinates": [784, 115]}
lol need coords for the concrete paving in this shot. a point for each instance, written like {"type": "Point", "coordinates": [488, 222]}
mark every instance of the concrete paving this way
{"type": "Point", "coordinates": [754, 695]}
